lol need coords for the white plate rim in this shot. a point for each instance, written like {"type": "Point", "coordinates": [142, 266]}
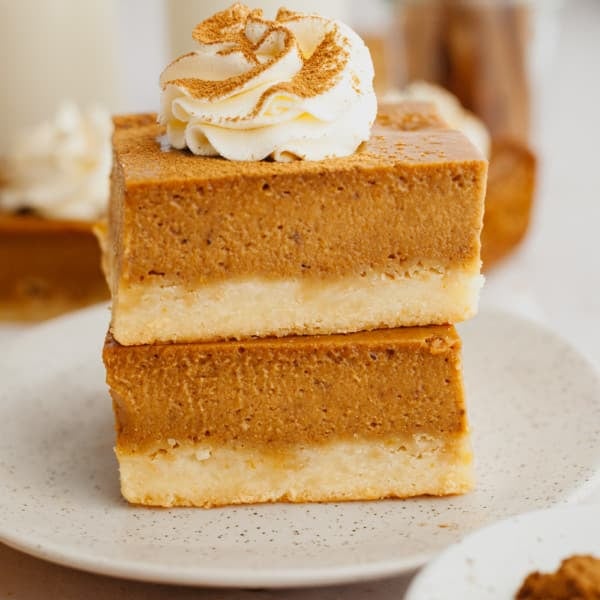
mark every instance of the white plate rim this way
{"type": "Point", "coordinates": [275, 578]}
{"type": "Point", "coordinates": [217, 578]}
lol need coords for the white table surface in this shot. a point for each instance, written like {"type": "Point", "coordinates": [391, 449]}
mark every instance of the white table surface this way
{"type": "Point", "coordinates": [554, 278]}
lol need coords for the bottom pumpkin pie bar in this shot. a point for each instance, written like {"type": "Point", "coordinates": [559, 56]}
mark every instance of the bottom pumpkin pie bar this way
{"type": "Point", "coordinates": [315, 418]}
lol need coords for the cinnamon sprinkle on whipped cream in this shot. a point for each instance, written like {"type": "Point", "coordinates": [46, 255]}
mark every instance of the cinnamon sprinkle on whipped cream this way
{"type": "Point", "coordinates": [297, 87]}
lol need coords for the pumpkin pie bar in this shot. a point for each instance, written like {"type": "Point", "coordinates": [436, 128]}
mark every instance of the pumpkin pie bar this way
{"type": "Point", "coordinates": [307, 418]}
{"type": "Point", "coordinates": [202, 248]}
{"type": "Point", "coordinates": [54, 184]}
{"type": "Point", "coordinates": [47, 267]}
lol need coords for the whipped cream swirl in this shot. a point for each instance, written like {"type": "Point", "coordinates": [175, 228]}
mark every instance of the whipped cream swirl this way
{"type": "Point", "coordinates": [298, 87]}
{"type": "Point", "coordinates": [60, 169]}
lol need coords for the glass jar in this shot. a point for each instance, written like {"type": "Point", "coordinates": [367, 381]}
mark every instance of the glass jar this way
{"type": "Point", "coordinates": [52, 52]}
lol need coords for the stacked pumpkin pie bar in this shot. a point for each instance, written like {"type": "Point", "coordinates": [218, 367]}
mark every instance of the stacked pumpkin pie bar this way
{"type": "Point", "coordinates": [280, 329]}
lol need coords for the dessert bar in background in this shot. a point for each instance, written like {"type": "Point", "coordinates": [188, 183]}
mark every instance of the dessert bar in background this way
{"type": "Point", "coordinates": [53, 190]}
{"type": "Point", "coordinates": [508, 200]}
{"type": "Point", "coordinates": [47, 267]}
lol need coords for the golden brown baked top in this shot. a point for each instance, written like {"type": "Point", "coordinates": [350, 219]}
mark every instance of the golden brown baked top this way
{"type": "Point", "coordinates": [302, 389]}
{"type": "Point", "coordinates": [411, 134]}
{"type": "Point", "coordinates": [413, 193]}
{"type": "Point", "coordinates": [28, 223]}
{"type": "Point", "coordinates": [578, 578]}
{"type": "Point", "coordinates": [409, 116]}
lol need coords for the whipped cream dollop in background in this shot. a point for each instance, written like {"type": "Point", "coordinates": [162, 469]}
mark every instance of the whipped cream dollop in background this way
{"type": "Point", "coordinates": [300, 86]}
{"type": "Point", "coordinates": [60, 169]}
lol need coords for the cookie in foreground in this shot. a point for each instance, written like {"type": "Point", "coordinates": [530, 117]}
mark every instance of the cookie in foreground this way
{"type": "Point", "coordinates": [577, 578]}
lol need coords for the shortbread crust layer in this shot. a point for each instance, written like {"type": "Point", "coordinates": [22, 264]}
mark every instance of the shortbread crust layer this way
{"type": "Point", "coordinates": [206, 474]}
{"type": "Point", "coordinates": [238, 309]}
{"type": "Point", "coordinates": [412, 195]}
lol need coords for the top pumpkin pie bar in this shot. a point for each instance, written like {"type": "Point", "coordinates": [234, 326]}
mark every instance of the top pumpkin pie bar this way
{"type": "Point", "coordinates": [202, 248]}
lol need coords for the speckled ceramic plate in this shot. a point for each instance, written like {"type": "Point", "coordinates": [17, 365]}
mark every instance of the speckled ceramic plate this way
{"type": "Point", "coordinates": [491, 564]}
{"type": "Point", "coordinates": [535, 412]}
